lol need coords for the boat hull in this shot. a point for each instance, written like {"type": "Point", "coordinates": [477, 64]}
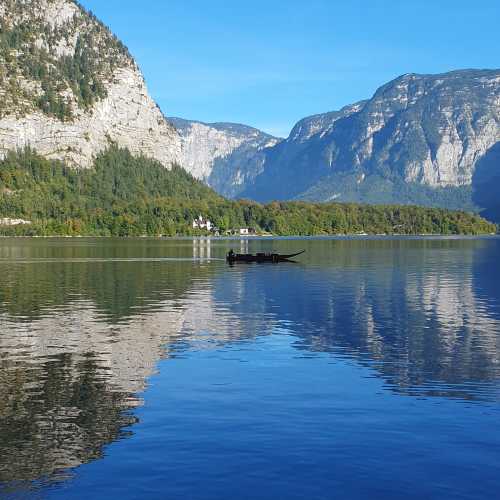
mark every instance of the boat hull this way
{"type": "Point", "coordinates": [260, 257]}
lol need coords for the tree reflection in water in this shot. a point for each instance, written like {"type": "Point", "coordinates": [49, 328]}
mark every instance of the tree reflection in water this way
{"type": "Point", "coordinates": [81, 335]}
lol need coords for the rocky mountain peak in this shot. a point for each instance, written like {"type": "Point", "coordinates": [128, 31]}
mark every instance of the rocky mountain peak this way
{"type": "Point", "coordinates": [55, 13]}
{"type": "Point", "coordinates": [321, 123]}
{"type": "Point", "coordinates": [57, 58]}
{"type": "Point", "coordinates": [419, 139]}
{"type": "Point", "coordinates": [69, 88]}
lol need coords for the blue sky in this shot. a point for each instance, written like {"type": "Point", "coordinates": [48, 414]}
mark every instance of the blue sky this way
{"type": "Point", "coordinates": [270, 63]}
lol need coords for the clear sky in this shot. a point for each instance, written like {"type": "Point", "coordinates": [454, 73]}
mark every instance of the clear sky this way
{"type": "Point", "coordinates": [270, 63]}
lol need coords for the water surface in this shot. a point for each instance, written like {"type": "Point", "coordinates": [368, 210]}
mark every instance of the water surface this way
{"type": "Point", "coordinates": [151, 369]}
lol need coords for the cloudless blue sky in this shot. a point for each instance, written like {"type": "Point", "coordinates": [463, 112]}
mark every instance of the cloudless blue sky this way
{"type": "Point", "coordinates": [270, 63]}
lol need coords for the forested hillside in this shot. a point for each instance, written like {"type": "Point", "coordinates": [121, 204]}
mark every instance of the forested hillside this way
{"type": "Point", "coordinates": [123, 195]}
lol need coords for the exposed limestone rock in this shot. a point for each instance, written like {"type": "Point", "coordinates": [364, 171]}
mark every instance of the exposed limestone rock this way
{"type": "Point", "coordinates": [426, 132]}
{"type": "Point", "coordinates": [432, 129]}
{"type": "Point", "coordinates": [321, 124]}
{"type": "Point", "coordinates": [62, 117]}
{"type": "Point", "coordinates": [224, 155]}
{"type": "Point", "coordinates": [53, 12]}
{"type": "Point", "coordinates": [127, 116]}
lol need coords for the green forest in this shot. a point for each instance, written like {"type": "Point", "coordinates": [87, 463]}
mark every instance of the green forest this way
{"type": "Point", "coordinates": [123, 195]}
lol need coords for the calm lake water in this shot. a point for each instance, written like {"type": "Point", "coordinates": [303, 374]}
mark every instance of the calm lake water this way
{"type": "Point", "coordinates": [137, 369]}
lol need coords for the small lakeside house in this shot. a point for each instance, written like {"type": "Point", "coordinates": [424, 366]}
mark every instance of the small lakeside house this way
{"type": "Point", "coordinates": [7, 221]}
{"type": "Point", "coordinates": [202, 223]}
{"type": "Point", "coordinates": [241, 231]}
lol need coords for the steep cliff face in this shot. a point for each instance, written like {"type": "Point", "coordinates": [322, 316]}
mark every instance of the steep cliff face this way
{"type": "Point", "coordinates": [417, 140]}
{"type": "Point", "coordinates": [69, 88]}
{"type": "Point", "coordinates": [320, 124]}
{"type": "Point", "coordinates": [290, 165]}
{"type": "Point", "coordinates": [227, 156]}
{"type": "Point", "coordinates": [429, 129]}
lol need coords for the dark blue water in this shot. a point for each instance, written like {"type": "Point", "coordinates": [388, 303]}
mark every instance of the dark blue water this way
{"type": "Point", "coordinates": [151, 369]}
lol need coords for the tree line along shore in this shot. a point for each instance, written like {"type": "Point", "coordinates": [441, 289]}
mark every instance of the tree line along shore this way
{"type": "Point", "coordinates": [123, 195]}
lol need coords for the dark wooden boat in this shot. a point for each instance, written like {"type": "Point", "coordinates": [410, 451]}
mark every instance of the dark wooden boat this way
{"type": "Point", "coordinates": [232, 257]}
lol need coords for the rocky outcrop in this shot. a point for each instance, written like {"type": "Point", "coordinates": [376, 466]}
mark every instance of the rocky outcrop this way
{"type": "Point", "coordinates": [417, 140]}
{"type": "Point", "coordinates": [430, 129]}
{"type": "Point", "coordinates": [74, 120]}
{"type": "Point", "coordinates": [320, 124]}
{"type": "Point", "coordinates": [227, 156]}
{"type": "Point", "coordinates": [127, 117]}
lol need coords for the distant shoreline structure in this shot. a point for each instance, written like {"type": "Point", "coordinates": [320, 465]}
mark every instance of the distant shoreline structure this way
{"type": "Point", "coordinates": [269, 237]}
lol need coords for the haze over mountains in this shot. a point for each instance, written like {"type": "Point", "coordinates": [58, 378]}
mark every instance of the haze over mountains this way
{"type": "Point", "coordinates": [70, 89]}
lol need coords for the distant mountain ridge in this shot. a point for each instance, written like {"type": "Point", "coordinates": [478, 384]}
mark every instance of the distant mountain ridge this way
{"type": "Point", "coordinates": [321, 123]}
{"type": "Point", "coordinates": [418, 140]}
{"type": "Point", "coordinates": [226, 156]}
{"type": "Point", "coordinates": [421, 139]}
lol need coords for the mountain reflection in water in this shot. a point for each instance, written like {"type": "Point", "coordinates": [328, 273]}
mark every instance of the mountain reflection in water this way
{"type": "Point", "coordinates": [83, 328]}
{"type": "Point", "coordinates": [413, 310]}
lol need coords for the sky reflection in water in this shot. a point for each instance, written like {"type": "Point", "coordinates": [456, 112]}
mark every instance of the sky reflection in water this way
{"type": "Point", "coordinates": [369, 368]}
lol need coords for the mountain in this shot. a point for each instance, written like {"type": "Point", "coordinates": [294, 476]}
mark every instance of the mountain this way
{"type": "Point", "coordinates": [226, 156]}
{"type": "Point", "coordinates": [427, 139]}
{"type": "Point", "coordinates": [281, 177]}
{"type": "Point", "coordinates": [69, 88]}
{"type": "Point", "coordinates": [319, 124]}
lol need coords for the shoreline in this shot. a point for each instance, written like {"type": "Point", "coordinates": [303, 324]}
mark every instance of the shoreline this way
{"type": "Point", "coordinates": [267, 237]}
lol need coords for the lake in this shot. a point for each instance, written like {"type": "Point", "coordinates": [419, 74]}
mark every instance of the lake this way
{"type": "Point", "coordinates": [149, 368]}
